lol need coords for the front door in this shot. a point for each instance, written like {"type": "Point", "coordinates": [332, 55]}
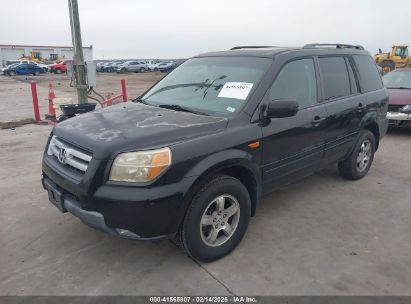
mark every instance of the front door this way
{"type": "Point", "coordinates": [293, 146]}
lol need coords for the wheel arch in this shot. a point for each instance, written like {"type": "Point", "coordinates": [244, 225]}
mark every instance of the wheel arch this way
{"type": "Point", "coordinates": [369, 122]}
{"type": "Point", "coordinates": [235, 163]}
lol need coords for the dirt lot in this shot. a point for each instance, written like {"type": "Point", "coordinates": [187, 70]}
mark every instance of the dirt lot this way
{"type": "Point", "coordinates": [16, 101]}
{"type": "Point", "coordinates": [322, 236]}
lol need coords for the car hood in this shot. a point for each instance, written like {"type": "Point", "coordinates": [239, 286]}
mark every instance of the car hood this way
{"type": "Point", "coordinates": [134, 126]}
{"type": "Point", "coordinates": [399, 97]}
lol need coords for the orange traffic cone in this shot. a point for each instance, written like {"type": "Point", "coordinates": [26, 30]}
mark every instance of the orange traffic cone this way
{"type": "Point", "coordinates": [52, 112]}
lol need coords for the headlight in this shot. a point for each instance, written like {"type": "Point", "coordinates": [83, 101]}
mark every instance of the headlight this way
{"type": "Point", "coordinates": [143, 166]}
{"type": "Point", "coordinates": [406, 109]}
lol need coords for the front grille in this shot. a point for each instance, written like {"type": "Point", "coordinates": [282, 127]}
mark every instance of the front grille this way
{"type": "Point", "coordinates": [69, 155]}
{"type": "Point", "coordinates": [394, 108]}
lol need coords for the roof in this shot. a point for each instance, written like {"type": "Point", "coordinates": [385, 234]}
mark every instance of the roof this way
{"type": "Point", "coordinates": [272, 51]}
{"type": "Point", "coordinates": [42, 46]}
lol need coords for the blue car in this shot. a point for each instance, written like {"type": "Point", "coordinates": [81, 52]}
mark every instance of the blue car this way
{"type": "Point", "coordinates": [24, 69]}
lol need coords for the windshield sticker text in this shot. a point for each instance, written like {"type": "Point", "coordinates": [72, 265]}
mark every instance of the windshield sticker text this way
{"type": "Point", "coordinates": [237, 90]}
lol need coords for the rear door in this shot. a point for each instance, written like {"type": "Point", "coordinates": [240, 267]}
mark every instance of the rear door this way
{"type": "Point", "coordinates": [293, 146]}
{"type": "Point", "coordinates": [344, 104]}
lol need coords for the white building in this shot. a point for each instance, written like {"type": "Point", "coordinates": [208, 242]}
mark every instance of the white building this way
{"type": "Point", "coordinates": [14, 52]}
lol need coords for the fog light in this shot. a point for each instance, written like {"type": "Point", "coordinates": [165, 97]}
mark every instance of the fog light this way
{"type": "Point", "coordinates": [127, 233]}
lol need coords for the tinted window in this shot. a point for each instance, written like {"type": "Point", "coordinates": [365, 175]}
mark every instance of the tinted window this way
{"type": "Point", "coordinates": [334, 74]}
{"type": "Point", "coordinates": [370, 79]}
{"type": "Point", "coordinates": [296, 81]}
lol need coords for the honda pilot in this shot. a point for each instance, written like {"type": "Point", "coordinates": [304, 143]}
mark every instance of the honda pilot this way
{"type": "Point", "coordinates": [190, 159]}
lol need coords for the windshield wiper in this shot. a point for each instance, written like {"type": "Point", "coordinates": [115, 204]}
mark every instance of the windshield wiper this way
{"type": "Point", "coordinates": [400, 88]}
{"type": "Point", "coordinates": [176, 107]}
{"type": "Point", "coordinates": [140, 100]}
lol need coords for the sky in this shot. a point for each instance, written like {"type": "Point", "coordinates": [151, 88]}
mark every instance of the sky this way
{"type": "Point", "coordinates": [182, 28]}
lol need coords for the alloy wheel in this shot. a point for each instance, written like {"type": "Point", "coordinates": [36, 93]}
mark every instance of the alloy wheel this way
{"type": "Point", "coordinates": [220, 220]}
{"type": "Point", "coordinates": [364, 155]}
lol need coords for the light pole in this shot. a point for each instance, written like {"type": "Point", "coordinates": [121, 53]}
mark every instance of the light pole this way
{"type": "Point", "coordinates": [79, 68]}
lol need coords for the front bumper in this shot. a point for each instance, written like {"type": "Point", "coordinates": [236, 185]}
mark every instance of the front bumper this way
{"type": "Point", "coordinates": [142, 213]}
{"type": "Point", "coordinates": [398, 116]}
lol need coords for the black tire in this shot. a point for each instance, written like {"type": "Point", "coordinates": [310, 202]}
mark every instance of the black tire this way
{"type": "Point", "coordinates": [387, 66]}
{"type": "Point", "coordinates": [142, 70]}
{"type": "Point", "coordinates": [12, 73]}
{"type": "Point", "coordinates": [58, 71]}
{"type": "Point", "coordinates": [351, 168]}
{"type": "Point", "coordinates": [122, 71]}
{"type": "Point", "coordinates": [155, 69]}
{"type": "Point", "coordinates": [192, 235]}
{"type": "Point", "coordinates": [36, 73]}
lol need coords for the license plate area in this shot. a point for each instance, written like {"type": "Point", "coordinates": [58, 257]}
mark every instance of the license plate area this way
{"type": "Point", "coordinates": [55, 197]}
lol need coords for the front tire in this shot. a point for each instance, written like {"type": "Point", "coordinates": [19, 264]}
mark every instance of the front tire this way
{"type": "Point", "coordinates": [217, 219]}
{"type": "Point", "coordinates": [58, 71]}
{"type": "Point", "coordinates": [358, 163]}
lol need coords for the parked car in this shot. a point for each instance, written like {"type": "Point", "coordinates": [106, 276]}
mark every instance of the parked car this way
{"type": "Point", "coordinates": [398, 83]}
{"type": "Point", "coordinates": [10, 62]}
{"type": "Point", "coordinates": [44, 67]}
{"type": "Point", "coordinates": [132, 66]}
{"type": "Point", "coordinates": [168, 68]}
{"type": "Point", "coordinates": [23, 69]}
{"type": "Point", "coordinates": [191, 158]}
{"type": "Point", "coordinates": [152, 65]}
{"type": "Point", "coordinates": [164, 66]}
{"type": "Point", "coordinates": [59, 68]}
{"type": "Point", "coordinates": [100, 65]}
{"type": "Point", "coordinates": [4, 71]}
{"type": "Point", "coordinates": [111, 67]}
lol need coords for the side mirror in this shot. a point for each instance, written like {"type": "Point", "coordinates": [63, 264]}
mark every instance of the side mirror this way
{"type": "Point", "coordinates": [281, 108]}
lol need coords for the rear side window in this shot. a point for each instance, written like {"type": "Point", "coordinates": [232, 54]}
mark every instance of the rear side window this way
{"type": "Point", "coordinates": [335, 77]}
{"type": "Point", "coordinates": [370, 79]}
{"type": "Point", "coordinates": [296, 81]}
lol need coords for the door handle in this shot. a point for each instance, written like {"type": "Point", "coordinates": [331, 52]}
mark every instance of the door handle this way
{"type": "Point", "coordinates": [361, 107]}
{"type": "Point", "coordinates": [317, 120]}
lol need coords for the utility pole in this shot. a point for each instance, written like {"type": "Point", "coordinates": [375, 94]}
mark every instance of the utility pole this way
{"type": "Point", "coordinates": [79, 68]}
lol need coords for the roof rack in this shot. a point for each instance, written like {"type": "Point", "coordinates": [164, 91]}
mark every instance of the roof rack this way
{"type": "Point", "coordinates": [336, 45]}
{"type": "Point", "coordinates": [251, 47]}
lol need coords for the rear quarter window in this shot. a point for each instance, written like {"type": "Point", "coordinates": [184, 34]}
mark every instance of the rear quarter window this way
{"type": "Point", "coordinates": [370, 79]}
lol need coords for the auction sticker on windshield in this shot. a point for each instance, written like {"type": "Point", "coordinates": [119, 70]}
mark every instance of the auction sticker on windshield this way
{"type": "Point", "coordinates": [237, 90]}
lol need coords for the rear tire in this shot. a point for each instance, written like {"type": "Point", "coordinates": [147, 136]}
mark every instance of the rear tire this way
{"type": "Point", "coordinates": [142, 70]}
{"type": "Point", "coordinates": [358, 163]}
{"type": "Point", "coordinates": [58, 71]}
{"type": "Point", "coordinates": [216, 220]}
{"type": "Point", "coordinates": [12, 73]}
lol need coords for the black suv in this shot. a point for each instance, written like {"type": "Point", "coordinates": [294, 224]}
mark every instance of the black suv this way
{"type": "Point", "coordinates": [191, 158]}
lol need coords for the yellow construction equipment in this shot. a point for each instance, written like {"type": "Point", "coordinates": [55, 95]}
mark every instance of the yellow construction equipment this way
{"type": "Point", "coordinates": [396, 59]}
{"type": "Point", "coordinates": [34, 56]}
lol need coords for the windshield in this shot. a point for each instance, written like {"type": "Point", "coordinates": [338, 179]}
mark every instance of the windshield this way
{"type": "Point", "coordinates": [397, 79]}
{"type": "Point", "coordinates": [212, 85]}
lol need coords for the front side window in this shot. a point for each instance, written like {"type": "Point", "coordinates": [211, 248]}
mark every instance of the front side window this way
{"type": "Point", "coordinates": [212, 85]}
{"type": "Point", "coordinates": [335, 77]}
{"type": "Point", "coordinates": [296, 81]}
